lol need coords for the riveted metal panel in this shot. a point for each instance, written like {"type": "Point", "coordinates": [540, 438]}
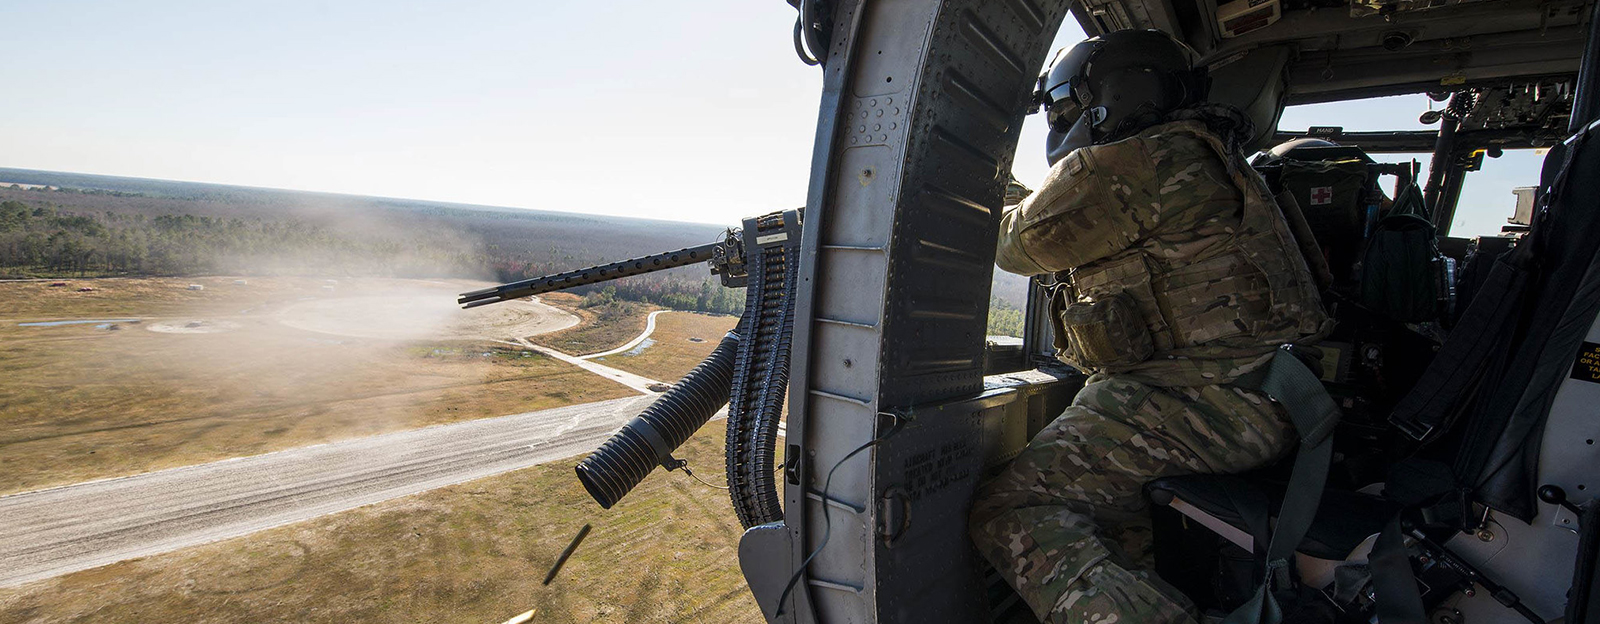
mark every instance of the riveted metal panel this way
{"type": "Point", "coordinates": [922, 108]}
{"type": "Point", "coordinates": [857, 358]}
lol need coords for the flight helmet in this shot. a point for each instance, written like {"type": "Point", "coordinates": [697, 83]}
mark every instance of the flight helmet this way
{"type": "Point", "coordinates": [1287, 148]}
{"type": "Point", "coordinates": [1307, 149]}
{"type": "Point", "coordinates": [1110, 87]}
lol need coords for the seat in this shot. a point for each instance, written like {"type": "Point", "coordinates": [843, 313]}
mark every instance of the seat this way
{"type": "Point", "coordinates": [1223, 502]}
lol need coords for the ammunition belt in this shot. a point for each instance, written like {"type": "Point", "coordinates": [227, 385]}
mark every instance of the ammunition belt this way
{"type": "Point", "coordinates": [761, 365]}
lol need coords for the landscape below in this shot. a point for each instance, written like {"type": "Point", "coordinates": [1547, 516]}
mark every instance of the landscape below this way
{"type": "Point", "coordinates": [78, 225]}
{"type": "Point", "coordinates": [189, 370]}
{"type": "Point", "coordinates": [474, 552]}
{"type": "Point", "coordinates": [152, 324]}
{"type": "Point", "coordinates": [178, 371]}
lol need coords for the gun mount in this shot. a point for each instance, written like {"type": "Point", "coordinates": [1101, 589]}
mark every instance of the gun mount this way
{"type": "Point", "coordinates": [748, 371]}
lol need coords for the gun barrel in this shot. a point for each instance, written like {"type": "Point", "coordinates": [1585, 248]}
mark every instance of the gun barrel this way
{"type": "Point", "coordinates": [591, 275]}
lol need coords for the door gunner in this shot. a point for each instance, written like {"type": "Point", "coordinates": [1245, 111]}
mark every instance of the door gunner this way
{"type": "Point", "coordinates": [1178, 275]}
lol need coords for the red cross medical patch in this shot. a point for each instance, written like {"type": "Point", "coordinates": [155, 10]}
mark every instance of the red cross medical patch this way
{"type": "Point", "coordinates": [1321, 195]}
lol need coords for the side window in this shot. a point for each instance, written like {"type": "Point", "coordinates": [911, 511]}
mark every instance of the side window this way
{"type": "Point", "coordinates": [1008, 304]}
{"type": "Point", "coordinates": [1020, 336]}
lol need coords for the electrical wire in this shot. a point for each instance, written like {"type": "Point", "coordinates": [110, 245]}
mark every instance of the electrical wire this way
{"type": "Point", "coordinates": [692, 475]}
{"type": "Point", "coordinates": [827, 518]}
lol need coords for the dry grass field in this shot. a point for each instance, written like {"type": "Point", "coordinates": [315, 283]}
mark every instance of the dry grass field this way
{"type": "Point", "coordinates": [681, 340]}
{"type": "Point", "coordinates": [474, 552]}
{"type": "Point", "coordinates": [81, 401]}
{"type": "Point", "coordinates": [603, 327]}
{"type": "Point", "coordinates": [221, 372]}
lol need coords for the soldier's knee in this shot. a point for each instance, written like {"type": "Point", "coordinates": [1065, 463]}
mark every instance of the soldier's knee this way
{"type": "Point", "coordinates": [990, 503]}
{"type": "Point", "coordinates": [985, 505]}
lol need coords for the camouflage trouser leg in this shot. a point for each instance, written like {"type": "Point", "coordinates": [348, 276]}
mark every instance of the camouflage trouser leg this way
{"type": "Point", "coordinates": [1067, 522]}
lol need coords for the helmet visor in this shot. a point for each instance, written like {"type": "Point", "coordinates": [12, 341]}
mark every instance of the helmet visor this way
{"type": "Point", "coordinates": [1062, 113]}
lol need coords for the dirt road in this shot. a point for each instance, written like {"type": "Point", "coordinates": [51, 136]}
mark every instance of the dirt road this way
{"type": "Point", "coordinates": [649, 328]}
{"type": "Point", "coordinates": [61, 530]}
{"type": "Point", "coordinates": [638, 383]}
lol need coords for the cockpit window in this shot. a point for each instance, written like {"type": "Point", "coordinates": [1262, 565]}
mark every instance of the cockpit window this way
{"type": "Point", "coordinates": [1487, 198]}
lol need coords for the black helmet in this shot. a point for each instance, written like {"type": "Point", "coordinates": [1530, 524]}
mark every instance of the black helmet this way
{"type": "Point", "coordinates": [1287, 148]}
{"type": "Point", "coordinates": [1309, 148]}
{"type": "Point", "coordinates": [1110, 87]}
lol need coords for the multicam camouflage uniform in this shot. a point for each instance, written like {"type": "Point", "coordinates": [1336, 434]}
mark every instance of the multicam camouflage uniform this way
{"type": "Point", "coordinates": [1016, 192]}
{"type": "Point", "coordinates": [1179, 276]}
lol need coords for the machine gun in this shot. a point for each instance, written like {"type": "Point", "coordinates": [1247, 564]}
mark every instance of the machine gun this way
{"type": "Point", "coordinates": [726, 258]}
{"type": "Point", "coordinates": [748, 371]}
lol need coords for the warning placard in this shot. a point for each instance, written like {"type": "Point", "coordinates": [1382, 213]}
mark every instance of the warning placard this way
{"type": "Point", "coordinates": [1587, 366]}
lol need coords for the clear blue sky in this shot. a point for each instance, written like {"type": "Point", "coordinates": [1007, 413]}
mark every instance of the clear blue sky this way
{"type": "Point", "coordinates": [695, 111]}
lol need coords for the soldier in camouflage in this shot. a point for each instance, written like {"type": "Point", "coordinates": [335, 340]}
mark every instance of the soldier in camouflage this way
{"type": "Point", "coordinates": [1016, 192]}
{"type": "Point", "coordinates": [1178, 275]}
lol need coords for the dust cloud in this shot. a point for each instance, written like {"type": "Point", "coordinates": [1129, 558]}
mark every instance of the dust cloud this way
{"type": "Point", "coordinates": [246, 365]}
{"type": "Point", "coordinates": [417, 314]}
{"type": "Point", "coordinates": [360, 310]}
{"type": "Point", "coordinates": [325, 322]}
{"type": "Point", "coordinates": [331, 341]}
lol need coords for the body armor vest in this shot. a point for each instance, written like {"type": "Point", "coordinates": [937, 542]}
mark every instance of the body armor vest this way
{"type": "Point", "coordinates": [1226, 298]}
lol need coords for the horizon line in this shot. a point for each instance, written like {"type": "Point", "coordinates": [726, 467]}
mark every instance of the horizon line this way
{"type": "Point", "coordinates": [7, 183]}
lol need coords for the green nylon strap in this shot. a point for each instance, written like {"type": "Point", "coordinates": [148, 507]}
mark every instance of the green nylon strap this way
{"type": "Point", "coordinates": [1289, 382]}
{"type": "Point", "coordinates": [1393, 583]}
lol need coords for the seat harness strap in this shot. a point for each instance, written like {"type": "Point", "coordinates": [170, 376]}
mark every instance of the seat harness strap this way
{"type": "Point", "coordinates": [1393, 583]}
{"type": "Point", "coordinates": [1293, 385]}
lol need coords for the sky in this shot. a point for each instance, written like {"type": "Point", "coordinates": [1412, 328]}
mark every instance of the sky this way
{"type": "Point", "coordinates": [692, 111]}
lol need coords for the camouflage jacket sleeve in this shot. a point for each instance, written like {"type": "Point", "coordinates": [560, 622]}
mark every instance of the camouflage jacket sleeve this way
{"type": "Point", "coordinates": [1096, 202]}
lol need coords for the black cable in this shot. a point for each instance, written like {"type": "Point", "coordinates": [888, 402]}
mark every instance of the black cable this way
{"type": "Point", "coordinates": [800, 46]}
{"type": "Point", "coordinates": [827, 518]}
{"type": "Point", "coordinates": [691, 474]}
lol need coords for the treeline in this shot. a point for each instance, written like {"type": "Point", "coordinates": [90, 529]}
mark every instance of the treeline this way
{"type": "Point", "coordinates": [77, 191]}
{"type": "Point", "coordinates": [1005, 319]}
{"type": "Point", "coordinates": [707, 296]}
{"type": "Point", "coordinates": [41, 240]}
{"type": "Point", "coordinates": [38, 240]}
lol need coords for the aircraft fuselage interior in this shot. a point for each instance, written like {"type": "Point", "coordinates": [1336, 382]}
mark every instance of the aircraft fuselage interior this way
{"type": "Point", "coordinates": [1465, 369]}
{"type": "Point", "coordinates": [867, 403]}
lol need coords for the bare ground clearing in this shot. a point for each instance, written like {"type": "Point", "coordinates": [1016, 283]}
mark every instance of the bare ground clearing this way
{"type": "Point", "coordinates": [603, 327]}
{"type": "Point", "coordinates": [681, 340]}
{"type": "Point", "coordinates": [229, 377]}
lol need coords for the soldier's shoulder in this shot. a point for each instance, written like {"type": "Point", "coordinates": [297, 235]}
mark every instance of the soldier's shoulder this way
{"type": "Point", "coordinates": [1180, 136]}
{"type": "Point", "coordinates": [1178, 143]}
{"type": "Point", "coordinates": [1132, 152]}
{"type": "Point", "coordinates": [1175, 139]}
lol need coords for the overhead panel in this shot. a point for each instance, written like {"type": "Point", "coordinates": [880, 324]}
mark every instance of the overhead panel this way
{"type": "Point", "coordinates": [1374, 47]}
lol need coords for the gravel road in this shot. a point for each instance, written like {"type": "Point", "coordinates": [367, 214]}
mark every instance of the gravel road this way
{"type": "Point", "coordinates": [51, 532]}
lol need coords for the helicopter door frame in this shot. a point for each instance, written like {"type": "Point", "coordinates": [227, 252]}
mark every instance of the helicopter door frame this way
{"type": "Point", "coordinates": [921, 112]}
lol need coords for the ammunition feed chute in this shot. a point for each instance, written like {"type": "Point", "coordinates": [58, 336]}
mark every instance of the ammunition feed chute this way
{"type": "Point", "coordinates": [761, 369]}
